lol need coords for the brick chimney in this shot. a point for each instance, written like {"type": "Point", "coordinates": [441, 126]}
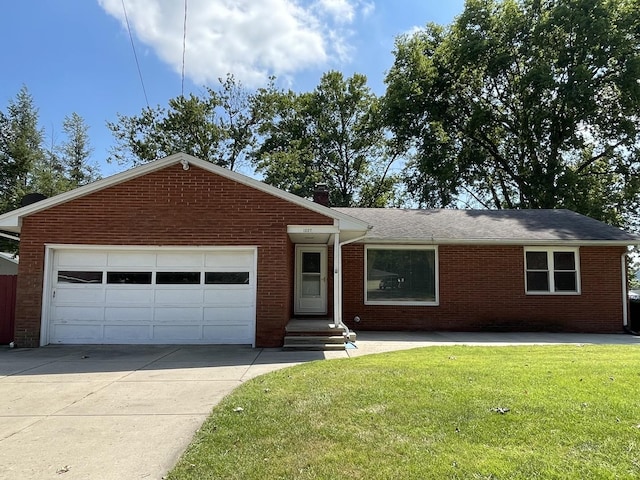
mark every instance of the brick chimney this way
{"type": "Point", "coordinates": [321, 194]}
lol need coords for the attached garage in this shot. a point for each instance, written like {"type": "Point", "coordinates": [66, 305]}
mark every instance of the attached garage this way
{"type": "Point", "coordinates": [178, 250]}
{"type": "Point", "coordinates": [149, 295]}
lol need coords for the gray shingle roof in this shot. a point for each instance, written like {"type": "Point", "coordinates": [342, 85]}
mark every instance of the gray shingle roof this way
{"type": "Point", "coordinates": [487, 226]}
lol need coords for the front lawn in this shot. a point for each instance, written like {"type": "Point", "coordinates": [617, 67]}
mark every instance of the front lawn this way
{"type": "Point", "coordinates": [543, 412]}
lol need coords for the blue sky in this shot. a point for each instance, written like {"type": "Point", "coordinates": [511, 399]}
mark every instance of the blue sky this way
{"type": "Point", "coordinates": [76, 55]}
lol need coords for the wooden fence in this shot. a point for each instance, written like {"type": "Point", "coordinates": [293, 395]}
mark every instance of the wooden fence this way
{"type": "Point", "coordinates": [7, 307]}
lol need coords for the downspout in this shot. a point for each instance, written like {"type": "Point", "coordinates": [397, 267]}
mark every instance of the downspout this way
{"type": "Point", "coordinates": [337, 280]}
{"type": "Point", "coordinates": [625, 297]}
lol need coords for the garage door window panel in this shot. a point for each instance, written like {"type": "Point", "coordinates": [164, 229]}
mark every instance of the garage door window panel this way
{"type": "Point", "coordinates": [80, 276]}
{"type": "Point", "coordinates": [178, 278]}
{"type": "Point", "coordinates": [226, 278]}
{"type": "Point", "coordinates": [129, 278]}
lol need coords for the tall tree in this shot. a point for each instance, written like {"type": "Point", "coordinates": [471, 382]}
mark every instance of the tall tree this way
{"type": "Point", "coordinates": [20, 148]}
{"type": "Point", "coordinates": [332, 135]}
{"type": "Point", "coordinates": [47, 174]}
{"type": "Point", "coordinates": [76, 151]}
{"type": "Point", "coordinates": [216, 127]}
{"type": "Point", "coordinates": [523, 104]}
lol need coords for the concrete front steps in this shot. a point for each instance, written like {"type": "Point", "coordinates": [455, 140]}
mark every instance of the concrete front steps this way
{"type": "Point", "coordinates": [315, 334]}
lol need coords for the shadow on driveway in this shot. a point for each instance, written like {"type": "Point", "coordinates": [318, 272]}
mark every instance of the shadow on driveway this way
{"type": "Point", "coordinates": [57, 359]}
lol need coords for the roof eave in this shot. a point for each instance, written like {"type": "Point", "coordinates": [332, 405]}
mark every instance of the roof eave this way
{"type": "Point", "coordinates": [506, 241]}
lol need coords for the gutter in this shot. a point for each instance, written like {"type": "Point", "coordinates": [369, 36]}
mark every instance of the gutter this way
{"type": "Point", "coordinates": [500, 242]}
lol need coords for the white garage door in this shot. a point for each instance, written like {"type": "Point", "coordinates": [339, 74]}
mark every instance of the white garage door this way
{"type": "Point", "coordinates": [152, 296]}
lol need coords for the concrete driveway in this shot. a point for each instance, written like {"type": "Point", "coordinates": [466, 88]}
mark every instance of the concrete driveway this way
{"type": "Point", "coordinates": [128, 412]}
{"type": "Point", "coordinates": [115, 412]}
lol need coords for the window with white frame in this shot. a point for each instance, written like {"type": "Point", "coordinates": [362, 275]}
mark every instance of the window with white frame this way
{"type": "Point", "coordinates": [552, 270]}
{"type": "Point", "coordinates": [401, 275]}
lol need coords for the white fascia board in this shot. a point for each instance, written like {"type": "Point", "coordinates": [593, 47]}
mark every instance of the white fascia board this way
{"type": "Point", "coordinates": [497, 242]}
{"type": "Point", "coordinates": [11, 221]}
{"type": "Point", "coordinates": [9, 225]}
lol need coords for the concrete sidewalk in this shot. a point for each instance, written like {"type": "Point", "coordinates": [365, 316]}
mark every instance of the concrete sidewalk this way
{"type": "Point", "coordinates": [378, 342]}
{"type": "Point", "coordinates": [128, 412]}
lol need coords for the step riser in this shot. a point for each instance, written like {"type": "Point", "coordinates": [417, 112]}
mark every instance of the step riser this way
{"type": "Point", "coordinates": [324, 348]}
{"type": "Point", "coordinates": [314, 334]}
{"type": "Point", "coordinates": [290, 340]}
{"type": "Point", "coordinates": [332, 333]}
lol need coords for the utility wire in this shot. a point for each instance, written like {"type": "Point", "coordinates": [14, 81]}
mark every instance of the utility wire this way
{"type": "Point", "coordinates": [135, 55]}
{"type": "Point", "coordinates": [184, 43]}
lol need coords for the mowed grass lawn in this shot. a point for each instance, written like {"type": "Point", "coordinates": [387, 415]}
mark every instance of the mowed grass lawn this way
{"type": "Point", "coordinates": [534, 412]}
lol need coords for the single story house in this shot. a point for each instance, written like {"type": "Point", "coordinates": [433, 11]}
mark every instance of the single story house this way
{"type": "Point", "coordinates": [182, 251]}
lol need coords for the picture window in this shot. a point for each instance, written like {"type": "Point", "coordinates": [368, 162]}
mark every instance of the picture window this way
{"type": "Point", "coordinates": [401, 276]}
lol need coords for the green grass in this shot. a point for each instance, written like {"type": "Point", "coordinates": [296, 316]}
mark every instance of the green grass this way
{"type": "Point", "coordinates": [574, 413]}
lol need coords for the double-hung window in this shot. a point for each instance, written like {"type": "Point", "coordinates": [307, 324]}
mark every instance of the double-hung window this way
{"type": "Point", "coordinates": [552, 271]}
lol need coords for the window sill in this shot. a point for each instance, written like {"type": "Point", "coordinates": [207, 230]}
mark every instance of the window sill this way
{"type": "Point", "coordinates": [404, 304]}
{"type": "Point", "coordinates": [554, 294]}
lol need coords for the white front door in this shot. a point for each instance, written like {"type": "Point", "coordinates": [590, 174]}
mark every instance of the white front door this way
{"type": "Point", "coordinates": [311, 279]}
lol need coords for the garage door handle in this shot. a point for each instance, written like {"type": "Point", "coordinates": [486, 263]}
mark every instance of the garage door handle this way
{"type": "Point", "coordinates": [54, 294]}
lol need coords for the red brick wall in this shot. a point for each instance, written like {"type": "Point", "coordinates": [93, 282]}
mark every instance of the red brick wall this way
{"type": "Point", "coordinates": [171, 207]}
{"type": "Point", "coordinates": [482, 288]}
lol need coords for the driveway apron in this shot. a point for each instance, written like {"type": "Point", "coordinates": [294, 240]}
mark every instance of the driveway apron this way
{"type": "Point", "coordinates": [114, 412]}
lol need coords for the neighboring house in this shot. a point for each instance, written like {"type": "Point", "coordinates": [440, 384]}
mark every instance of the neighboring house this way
{"type": "Point", "coordinates": [183, 251]}
{"type": "Point", "coordinates": [8, 264]}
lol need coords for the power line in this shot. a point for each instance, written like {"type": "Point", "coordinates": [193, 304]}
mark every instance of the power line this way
{"type": "Point", "coordinates": [135, 55]}
{"type": "Point", "coordinates": [184, 43]}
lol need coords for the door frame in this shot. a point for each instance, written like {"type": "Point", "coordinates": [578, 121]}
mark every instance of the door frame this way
{"type": "Point", "coordinates": [319, 306]}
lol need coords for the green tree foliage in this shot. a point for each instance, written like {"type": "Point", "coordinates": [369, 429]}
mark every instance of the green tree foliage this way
{"type": "Point", "coordinates": [217, 127]}
{"type": "Point", "coordinates": [332, 135]}
{"type": "Point", "coordinates": [523, 104]}
{"type": "Point", "coordinates": [27, 166]}
{"type": "Point", "coordinates": [47, 174]}
{"type": "Point", "coordinates": [65, 166]}
{"type": "Point", "coordinates": [76, 150]}
{"type": "Point", "coordinates": [20, 149]}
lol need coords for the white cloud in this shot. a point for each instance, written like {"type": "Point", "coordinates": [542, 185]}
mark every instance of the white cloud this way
{"type": "Point", "coordinates": [250, 38]}
{"type": "Point", "coordinates": [367, 8]}
{"type": "Point", "coordinates": [340, 10]}
{"type": "Point", "coordinates": [412, 31]}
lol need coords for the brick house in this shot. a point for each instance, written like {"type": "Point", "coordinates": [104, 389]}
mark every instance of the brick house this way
{"type": "Point", "coordinates": [515, 270]}
{"type": "Point", "coordinates": [183, 251]}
